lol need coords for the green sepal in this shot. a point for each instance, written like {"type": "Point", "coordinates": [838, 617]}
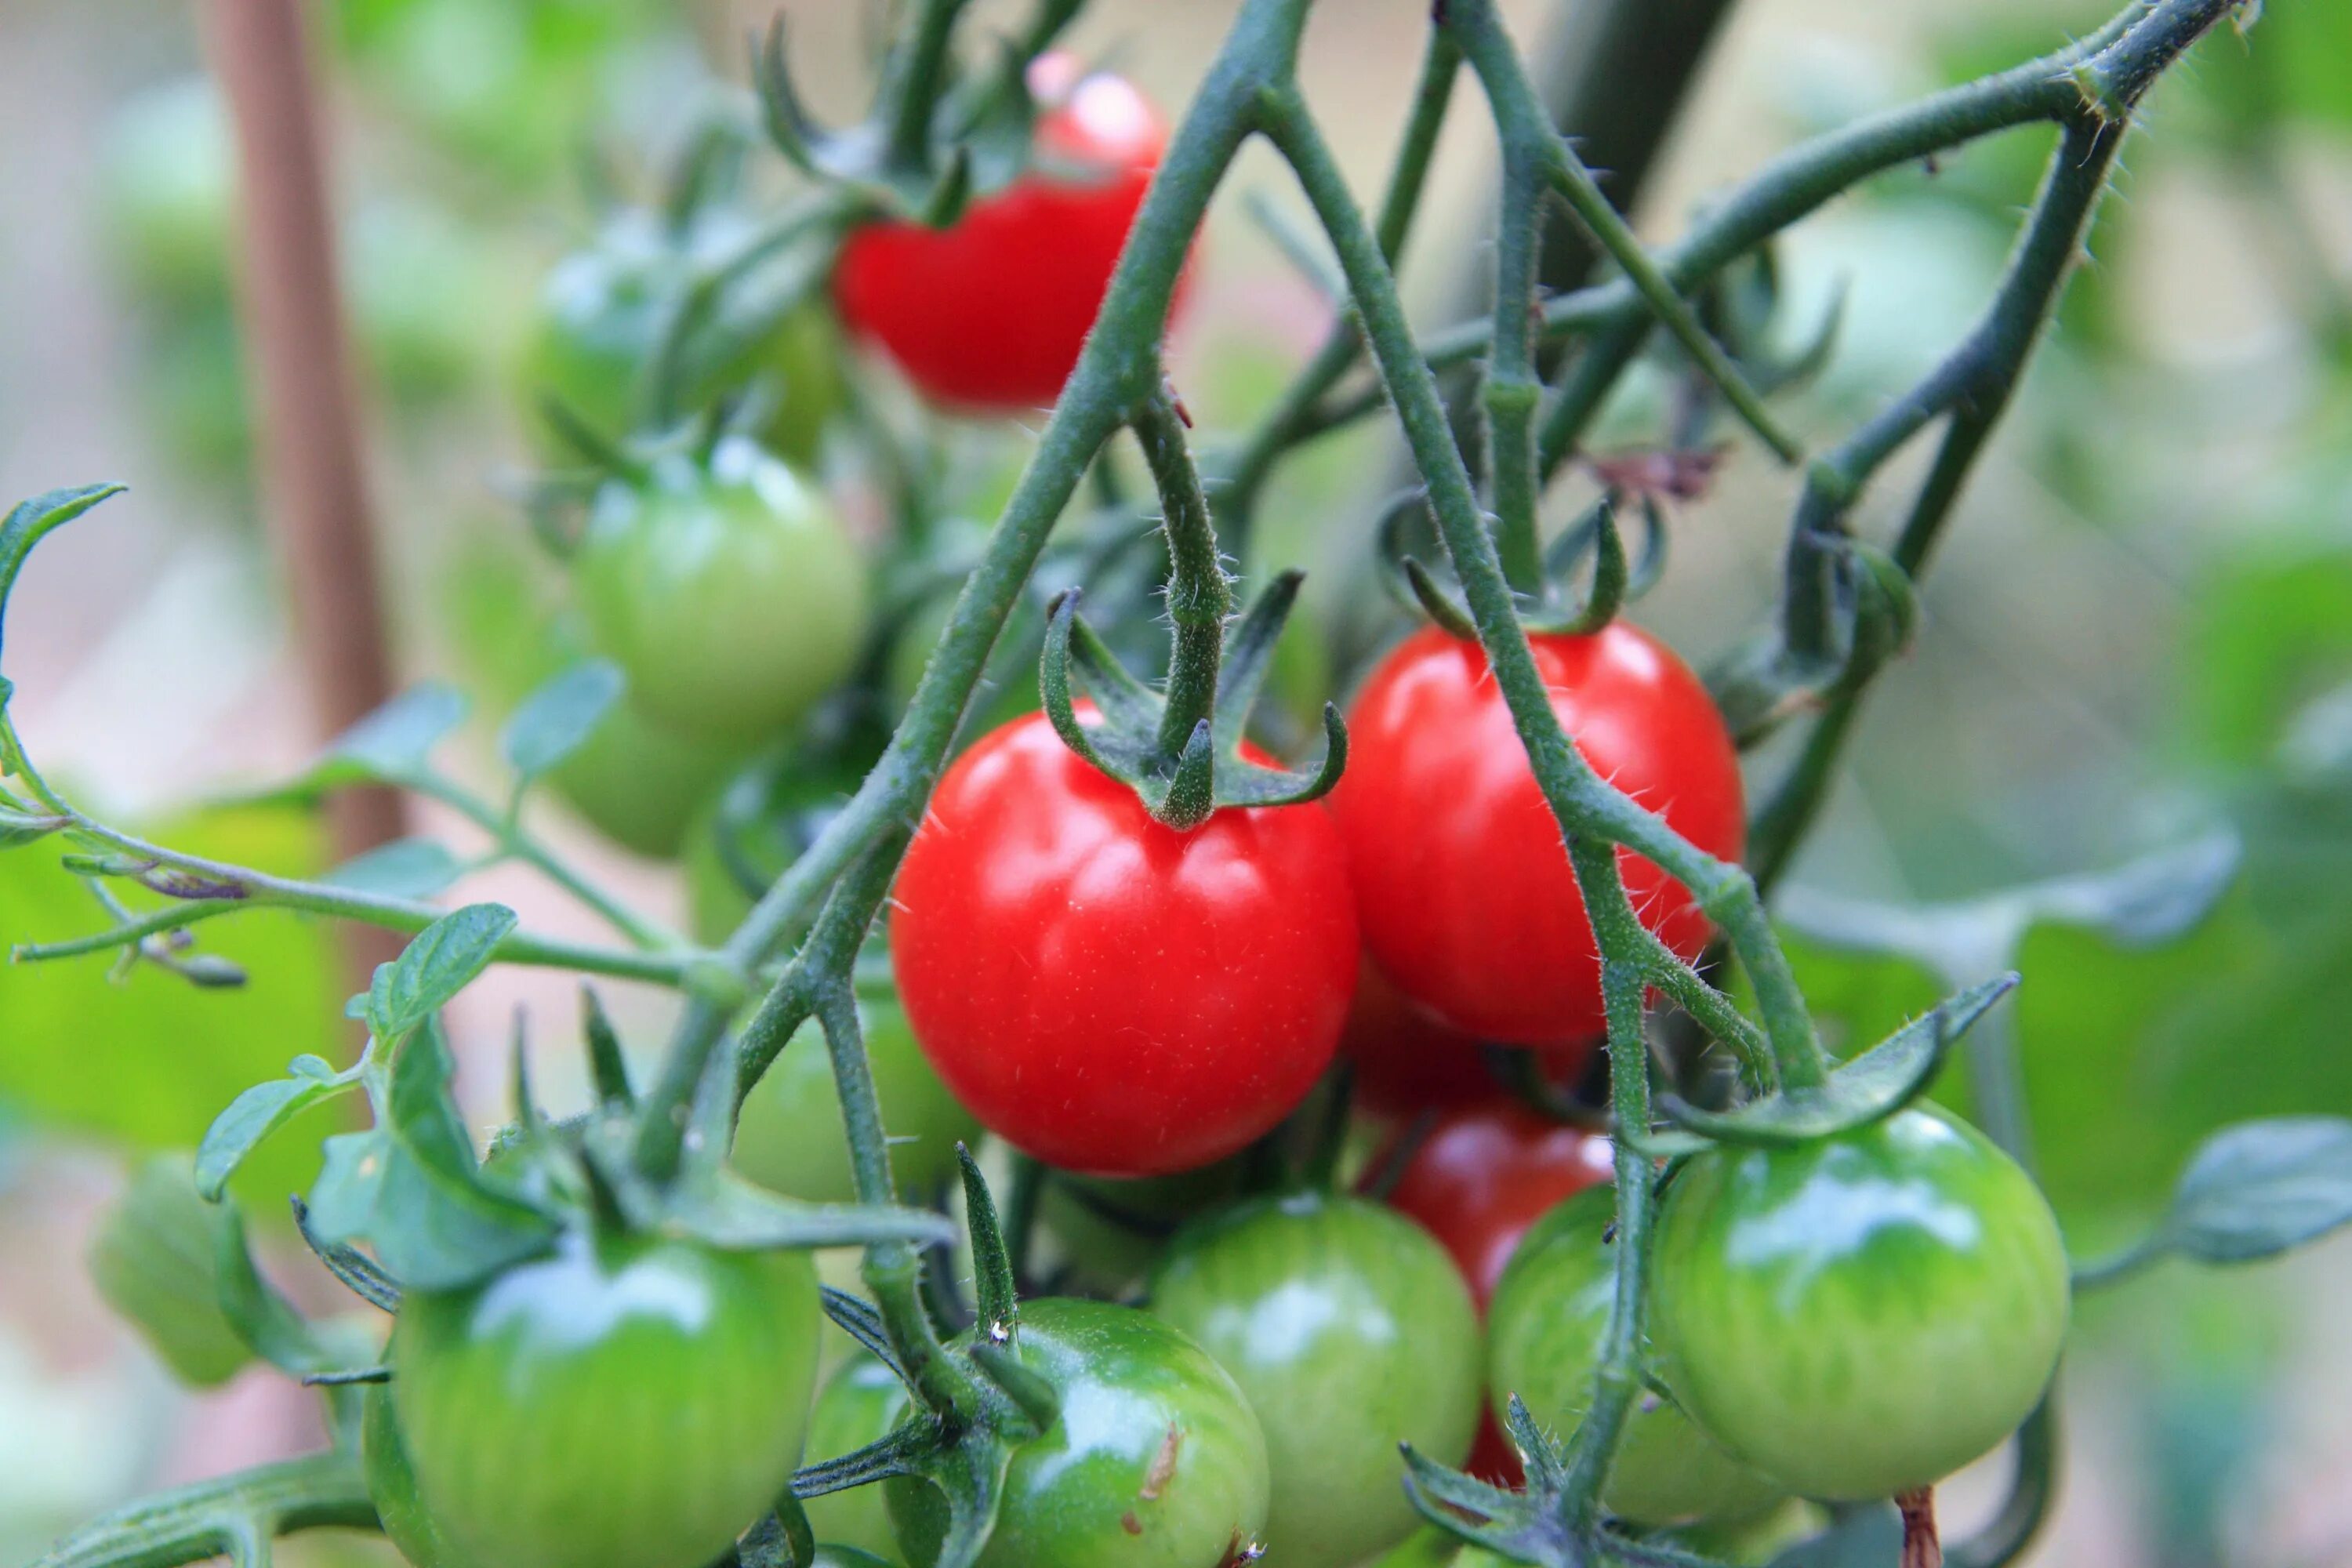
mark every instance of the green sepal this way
{"type": "Point", "coordinates": [1871, 1087]}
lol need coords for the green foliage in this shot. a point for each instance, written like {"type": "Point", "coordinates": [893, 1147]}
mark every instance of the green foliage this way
{"type": "Point", "coordinates": [147, 1060]}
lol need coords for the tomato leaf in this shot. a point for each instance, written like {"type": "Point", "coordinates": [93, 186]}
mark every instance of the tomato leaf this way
{"type": "Point", "coordinates": [1874, 1085]}
{"type": "Point", "coordinates": [557, 719]}
{"type": "Point", "coordinates": [728, 1212]}
{"type": "Point", "coordinates": [29, 522]}
{"type": "Point", "coordinates": [2261, 1188]}
{"type": "Point", "coordinates": [403, 868]}
{"type": "Point", "coordinates": [439, 961]}
{"type": "Point", "coordinates": [253, 1116]}
{"type": "Point", "coordinates": [394, 742]}
{"type": "Point", "coordinates": [412, 1188]}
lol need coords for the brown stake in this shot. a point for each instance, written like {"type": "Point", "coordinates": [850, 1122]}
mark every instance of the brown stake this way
{"type": "Point", "coordinates": [299, 359]}
{"type": "Point", "coordinates": [1921, 1546]}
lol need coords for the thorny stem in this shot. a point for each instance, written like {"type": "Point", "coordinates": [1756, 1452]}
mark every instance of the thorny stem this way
{"type": "Point", "coordinates": [1294, 416]}
{"type": "Point", "coordinates": [1200, 599]}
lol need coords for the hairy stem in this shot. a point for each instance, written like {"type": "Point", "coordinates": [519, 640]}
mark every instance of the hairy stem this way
{"type": "Point", "coordinates": [1200, 599]}
{"type": "Point", "coordinates": [230, 1516]}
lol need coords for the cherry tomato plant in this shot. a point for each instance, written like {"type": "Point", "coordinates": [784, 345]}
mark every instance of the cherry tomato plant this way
{"type": "Point", "coordinates": [1121, 936]}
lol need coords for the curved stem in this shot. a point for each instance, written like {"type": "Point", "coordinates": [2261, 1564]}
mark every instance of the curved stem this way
{"type": "Point", "coordinates": [1512, 389]}
{"type": "Point", "coordinates": [517, 842]}
{"type": "Point", "coordinates": [1200, 599]}
{"type": "Point", "coordinates": [232, 1515]}
{"type": "Point", "coordinates": [258, 889]}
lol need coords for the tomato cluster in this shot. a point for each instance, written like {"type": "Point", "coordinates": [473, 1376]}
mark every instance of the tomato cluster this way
{"type": "Point", "coordinates": [1285, 1081]}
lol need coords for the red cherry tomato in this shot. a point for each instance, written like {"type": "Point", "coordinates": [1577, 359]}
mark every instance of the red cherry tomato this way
{"type": "Point", "coordinates": [1114, 996]}
{"type": "Point", "coordinates": [1463, 885]}
{"type": "Point", "coordinates": [1406, 1062]}
{"type": "Point", "coordinates": [990, 314]}
{"type": "Point", "coordinates": [1485, 1173]}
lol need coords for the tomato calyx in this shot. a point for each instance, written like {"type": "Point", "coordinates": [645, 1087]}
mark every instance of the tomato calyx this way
{"type": "Point", "coordinates": [1869, 1088]}
{"type": "Point", "coordinates": [1549, 605]}
{"type": "Point", "coordinates": [937, 134]}
{"type": "Point", "coordinates": [1126, 739]}
{"type": "Point", "coordinates": [1540, 1524]}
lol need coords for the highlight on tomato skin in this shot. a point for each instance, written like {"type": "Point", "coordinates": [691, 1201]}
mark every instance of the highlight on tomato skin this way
{"type": "Point", "coordinates": [988, 315]}
{"type": "Point", "coordinates": [1109, 995]}
{"type": "Point", "coordinates": [1467, 904]}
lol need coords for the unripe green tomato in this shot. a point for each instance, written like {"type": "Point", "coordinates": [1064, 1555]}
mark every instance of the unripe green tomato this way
{"type": "Point", "coordinates": [1428, 1547]}
{"type": "Point", "coordinates": [602, 312]}
{"type": "Point", "coordinates": [640, 785]}
{"type": "Point", "coordinates": [859, 1405]}
{"type": "Point", "coordinates": [770, 811]}
{"type": "Point", "coordinates": [624, 1402]}
{"type": "Point", "coordinates": [1864, 1315]}
{"type": "Point", "coordinates": [1156, 1460]}
{"type": "Point", "coordinates": [729, 594]}
{"type": "Point", "coordinates": [1108, 1231]}
{"type": "Point", "coordinates": [830, 1554]}
{"type": "Point", "coordinates": [1350, 1330]}
{"type": "Point", "coordinates": [1546, 1325]}
{"type": "Point", "coordinates": [408, 1524]}
{"type": "Point", "coordinates": [789, 1136]}
{"type": "Point", "coordinates": [155, 1261]}
{"type": "Point", "coordinates": [636, 782]}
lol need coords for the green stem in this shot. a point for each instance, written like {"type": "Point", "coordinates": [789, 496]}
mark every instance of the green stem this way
{"type": "Point", "coordinates": [1526, 131]}
{"type": "Point", "coordinates": [517, 842]}
{"type": "Point", "coordinates": [258, 889]}
{"type": "Point", "coordinates": [1581, 801]}
{"type": "Point", "coordinates": [1617, 1378]}
{"type": "Point", "coordinates": [914, 89]}
{"type": "Point", "coordinates": [1200, 598]}
{"type": "Point", "coordinates": [1973, 385]}
{"type": "Point", "coordinates": [1293, 419]}
{"type": "Point", "coordinates": [228, 1516]}
{"type": "Point", "coordinates": [1512, 390]}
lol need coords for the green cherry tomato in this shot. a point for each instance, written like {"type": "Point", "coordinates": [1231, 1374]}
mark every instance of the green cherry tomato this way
{"type": "Point", "coordinates": [640, 785]}
{"type": "Point", "coordinates": [1156, 1460]}
{"type": "Point", "coordinates": [1108, 1231]}
{"type": "Point", "coordinates": [1864, 1315]}
{"type": "Point", "coordinates": [1546, 1325]}
{"type": "Point", "coordinates": [859, 1405]}
{"type": "Point", "coordinates": [604, 308]}
{"type": "Point", "coordinates": [624, 1402]}
{"type": "Point", "coordinates": [727, 593]}
{"type": "Point", "coordinates": [790, 1137]}
{"type": "Point", "coordinates": [411, 1527]}
{"type": "Point", "coordinates": [830, 1554]}
{"type": "Point", "coordinates": [1350, 1330]}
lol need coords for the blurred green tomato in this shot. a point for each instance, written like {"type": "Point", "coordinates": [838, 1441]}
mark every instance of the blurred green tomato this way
{"type": "Point", "coordinates": [602, 310]}
{"type": "Point", "coordinates": [1108, 1231]}
{"type": "Point", "coordinates": [859, 1405]}
{"type": "Point", "coordinates": [635, 782]}
{"type": "Point", "coordinates": [155, 1261]}
{"type": "Point", "coordinates": [727, 593]}
{"type": "Point", "coordinates": [167, 189]}
{"type": "Point", "coordinates": [790, 1138]}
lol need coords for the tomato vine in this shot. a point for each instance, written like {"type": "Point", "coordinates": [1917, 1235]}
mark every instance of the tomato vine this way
{"type": "Point", "coordinates": [1846, 608]}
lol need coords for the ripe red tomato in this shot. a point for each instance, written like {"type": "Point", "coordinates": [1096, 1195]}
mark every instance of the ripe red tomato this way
{"type": "Point", "coordinates": [990, 314]}
{"type": "Point", "coordinates": [1463, 889]}
{"type": "Point", "coordinates": [1114, 996]}
{"type": "Point", "coordinates": [1407, 1062]}
{"type": "Point", "coordinates": [1487, 1172]}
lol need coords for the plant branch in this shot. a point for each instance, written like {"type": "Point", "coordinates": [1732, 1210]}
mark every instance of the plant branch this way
{"type": "Point", "coordinates": [230, 1516]}
{"type": "Point", "coordinates": [1200, 598]}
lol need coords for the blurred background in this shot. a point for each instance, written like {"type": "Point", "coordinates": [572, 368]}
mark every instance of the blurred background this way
{"type": "Point", "coordinates": [2139, 635]}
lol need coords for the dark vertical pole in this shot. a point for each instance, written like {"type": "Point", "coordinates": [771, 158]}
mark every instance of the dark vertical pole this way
{"type": "Point", "coordinates": [300, 362]}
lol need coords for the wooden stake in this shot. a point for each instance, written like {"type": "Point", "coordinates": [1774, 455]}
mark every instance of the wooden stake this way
{"type": "Point", "coordinates": [300, 363]}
